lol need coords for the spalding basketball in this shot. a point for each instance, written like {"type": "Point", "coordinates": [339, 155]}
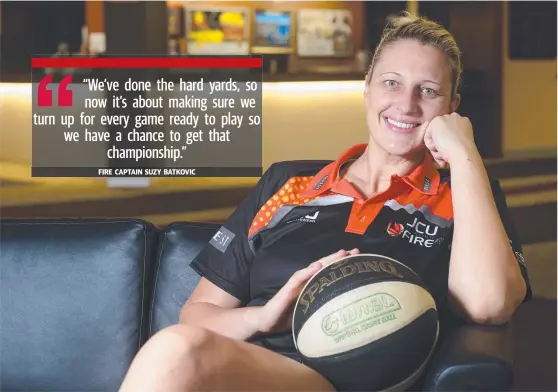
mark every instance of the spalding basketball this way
{"type": "Point", "coordinates": [366, 323]}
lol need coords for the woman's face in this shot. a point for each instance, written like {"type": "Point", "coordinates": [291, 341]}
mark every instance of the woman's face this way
{"type": "Point", "coordinates": [410, 84]}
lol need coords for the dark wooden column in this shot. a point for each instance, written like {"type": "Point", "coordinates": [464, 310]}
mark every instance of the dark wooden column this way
{"type": "Point", "coordinates": [136, 27]}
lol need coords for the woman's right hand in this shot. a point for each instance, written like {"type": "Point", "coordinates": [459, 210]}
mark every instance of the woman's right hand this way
{"type": "Point", "coordinates": [276, 315]}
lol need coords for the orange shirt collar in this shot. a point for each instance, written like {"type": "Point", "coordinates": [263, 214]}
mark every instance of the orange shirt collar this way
{"type": "Point", "coordinates": [425, 178]}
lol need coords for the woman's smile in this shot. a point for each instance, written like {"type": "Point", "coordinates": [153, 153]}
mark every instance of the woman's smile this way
{"type": "Point", "coordinates": [400, 125]}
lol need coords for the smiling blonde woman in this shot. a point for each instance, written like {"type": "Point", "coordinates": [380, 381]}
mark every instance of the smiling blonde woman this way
{"type": "Point", "coordinates": [447, 223]}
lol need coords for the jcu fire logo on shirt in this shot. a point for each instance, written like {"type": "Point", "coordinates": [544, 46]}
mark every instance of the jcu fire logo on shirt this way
{"type": "Point", "coordinates": [417, 232]}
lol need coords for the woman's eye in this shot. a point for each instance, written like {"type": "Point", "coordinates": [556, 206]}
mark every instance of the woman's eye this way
{"type": "Point", "coordinates": [429, 91]}
{"type": "Point", "coordinates": [390, 83]}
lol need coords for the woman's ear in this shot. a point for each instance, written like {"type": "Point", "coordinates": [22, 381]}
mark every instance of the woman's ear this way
{"type": "Point", "coordinates": [367, 82]}
{"type": "Point", "coordinates": [455, 103]}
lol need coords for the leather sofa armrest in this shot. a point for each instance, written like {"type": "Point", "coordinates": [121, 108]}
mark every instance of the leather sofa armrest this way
{"type": "Point", "coordinates": [471, 358]}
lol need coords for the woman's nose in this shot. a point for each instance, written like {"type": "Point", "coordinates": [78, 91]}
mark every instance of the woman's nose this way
{"type": "Point", "coordinates": [408, 102]}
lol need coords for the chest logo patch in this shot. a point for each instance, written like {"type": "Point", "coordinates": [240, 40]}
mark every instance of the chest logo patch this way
{"type": "Point", "coordinates": [416, 232]}
{"type": "Point", "coordinates": [308, 218]}
{"type": "Point", "coordinates": [394, 229]}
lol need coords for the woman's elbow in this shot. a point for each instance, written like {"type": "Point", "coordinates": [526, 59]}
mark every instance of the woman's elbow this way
{"type": "Point", "coordinates": [490, 314]}
{"type": "Point", "coordinates": [494, 309]}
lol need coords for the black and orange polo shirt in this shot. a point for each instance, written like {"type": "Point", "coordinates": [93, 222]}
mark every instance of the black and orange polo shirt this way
{"type": "Point", "coordinates": [301, 211]}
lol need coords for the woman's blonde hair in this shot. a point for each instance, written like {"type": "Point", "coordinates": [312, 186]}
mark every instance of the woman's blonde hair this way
{"type": "Point", "coordinates": [425, 31]}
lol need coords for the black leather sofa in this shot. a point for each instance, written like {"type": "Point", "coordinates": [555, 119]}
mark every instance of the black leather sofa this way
{"type": "Point", "coordinates": [80, 297]}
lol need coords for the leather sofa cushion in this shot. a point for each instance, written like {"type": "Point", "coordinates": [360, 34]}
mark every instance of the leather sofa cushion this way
{"type": "Point", "coordinates": [72, 294]}
{"type": "Point", "coordinates": [175, 280]}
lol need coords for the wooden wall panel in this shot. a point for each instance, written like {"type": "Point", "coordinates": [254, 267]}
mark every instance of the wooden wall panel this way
{"type": "Point", "coordinates": [477, 28]}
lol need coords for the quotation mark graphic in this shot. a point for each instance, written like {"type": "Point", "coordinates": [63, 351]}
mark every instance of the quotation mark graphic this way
{"type": "Point", "coordinates": [44, 96]}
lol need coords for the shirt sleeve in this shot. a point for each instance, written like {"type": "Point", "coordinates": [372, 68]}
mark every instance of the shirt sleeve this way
{"type": "Point", "coordinates": [226, 259]}
{"type": "Point", "coordinates": [513, 237]}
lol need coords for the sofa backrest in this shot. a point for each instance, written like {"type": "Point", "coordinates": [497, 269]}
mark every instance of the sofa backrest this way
{"type": "Point", "coordinates": [74, 295]}
{"type": "Point", "coordinates": [79, 297]}
{"type": "Point", "coordinates": [179, 244]}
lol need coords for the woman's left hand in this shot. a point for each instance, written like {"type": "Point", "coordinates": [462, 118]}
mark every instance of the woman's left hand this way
{"type": "Point", "coordinates": [449, 136]}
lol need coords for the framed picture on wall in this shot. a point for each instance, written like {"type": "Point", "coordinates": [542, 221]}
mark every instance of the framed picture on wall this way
{"type": "Point", "coordinates": [214, 30]}
{"type": "Point", "coordinates": [272, 32]}
{"type": "Point", "coordinates": [325, 33]}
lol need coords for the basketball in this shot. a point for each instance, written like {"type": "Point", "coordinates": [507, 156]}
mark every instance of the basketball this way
{"type": "Point", "coordinates": [366, 323]}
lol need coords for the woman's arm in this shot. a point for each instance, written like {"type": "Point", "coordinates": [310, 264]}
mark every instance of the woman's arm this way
{"type": "Point", "coordinates": [213, 308]}
{"type": "Point", "coordinates": [485, 280]}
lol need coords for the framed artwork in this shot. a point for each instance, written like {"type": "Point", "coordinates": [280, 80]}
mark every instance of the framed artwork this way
{"type": "Point", "coordinates": [272, 32]}
{"type": "Point", "coordinates": [325, 33]}
{"type": "Point", "coordinates": [214, 30]}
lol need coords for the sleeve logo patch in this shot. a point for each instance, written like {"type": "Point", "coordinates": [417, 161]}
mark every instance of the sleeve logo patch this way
{"type": "Point", "coordinates": [222, 239]}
